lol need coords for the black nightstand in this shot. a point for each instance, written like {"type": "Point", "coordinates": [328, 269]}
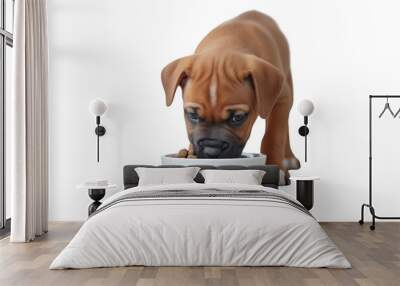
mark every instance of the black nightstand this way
{"type": "Point", "coordinates": [96, 193]}
{"type": "Point", "coordinates": [305, 190]}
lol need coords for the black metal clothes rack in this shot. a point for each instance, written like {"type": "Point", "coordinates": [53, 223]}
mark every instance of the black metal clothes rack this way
{"type": "Point", "coordinates": [370, 204]}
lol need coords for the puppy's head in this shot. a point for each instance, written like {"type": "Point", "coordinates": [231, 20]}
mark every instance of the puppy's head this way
{"type": "Point", "coordinates": [222, 95]}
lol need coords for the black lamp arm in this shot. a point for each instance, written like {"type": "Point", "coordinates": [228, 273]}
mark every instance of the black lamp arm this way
{"type": "Point", "coordinates": [303, 131]}
{"type": "Point", "coordinates": [99, 131]}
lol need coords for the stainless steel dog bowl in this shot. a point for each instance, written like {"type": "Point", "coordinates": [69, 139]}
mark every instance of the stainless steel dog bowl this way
{"type": "Point", "coordinates": [247, 159]}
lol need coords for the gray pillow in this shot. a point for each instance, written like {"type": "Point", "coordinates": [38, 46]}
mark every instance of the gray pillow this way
{"type": "Point", "coordinates": [166, 176]}
{"type": "Point", "coordinates": [247, 177]}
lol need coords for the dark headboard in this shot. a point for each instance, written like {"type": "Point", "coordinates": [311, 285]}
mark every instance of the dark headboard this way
{"type": "Point", "coordinates": [271, 177]}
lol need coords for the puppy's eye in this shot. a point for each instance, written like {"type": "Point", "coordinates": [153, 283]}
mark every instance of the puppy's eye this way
{"type": "Point", "coordinates": [237, 119]}
{"type": "Point", "coordinates": [193, 117]}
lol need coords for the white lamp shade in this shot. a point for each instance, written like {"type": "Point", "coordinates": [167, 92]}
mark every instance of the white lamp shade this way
{"type": "Point", "coordinates": [97, 107]}
{"type": "Point", "coordinates": [305, 107]}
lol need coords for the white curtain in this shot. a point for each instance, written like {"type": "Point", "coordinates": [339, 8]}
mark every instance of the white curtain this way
{"type": "Point", "coordinates": [28, 123]}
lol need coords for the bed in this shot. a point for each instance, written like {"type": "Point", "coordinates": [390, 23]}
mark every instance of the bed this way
{"type": "Point", "coordinates": [199, 224]}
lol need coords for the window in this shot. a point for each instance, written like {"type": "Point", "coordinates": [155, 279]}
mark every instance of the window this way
{"type": "Point", "coordinates": [6, 44]}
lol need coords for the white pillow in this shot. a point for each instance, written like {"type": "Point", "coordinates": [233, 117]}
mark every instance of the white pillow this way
{"type": "Point", "coordinates": [165, 176]}
{"type": "Point", "coordinates": [248, 177]}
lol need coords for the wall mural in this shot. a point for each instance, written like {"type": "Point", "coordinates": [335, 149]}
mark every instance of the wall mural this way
{"type": "Point", "coordinates": [239, 71]}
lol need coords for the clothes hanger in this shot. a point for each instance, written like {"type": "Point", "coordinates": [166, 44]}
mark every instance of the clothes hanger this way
{"type": "Point", "coordinates": [387, 107]}
{"type": "Point", "coordinates": [397, 113]}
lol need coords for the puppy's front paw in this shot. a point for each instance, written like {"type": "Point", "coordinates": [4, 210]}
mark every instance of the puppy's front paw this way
{"type": "Point", "coordinates": [291, 163]}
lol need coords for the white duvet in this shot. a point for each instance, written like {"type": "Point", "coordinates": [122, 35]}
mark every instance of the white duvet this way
{"type": "Point", "coordinates": [200, 231]}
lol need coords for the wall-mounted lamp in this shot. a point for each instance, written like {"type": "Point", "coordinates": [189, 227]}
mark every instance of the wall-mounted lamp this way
{"type": "Point", "coordinates": [97, 107]}
{"type": "Point", "coordinates": [305, 107]}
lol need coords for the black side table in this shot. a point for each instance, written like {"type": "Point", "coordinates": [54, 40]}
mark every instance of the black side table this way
{"type": "Point", "coordinates": [96, 193]}
{"type": "Point", "coordinates": [305, 190]}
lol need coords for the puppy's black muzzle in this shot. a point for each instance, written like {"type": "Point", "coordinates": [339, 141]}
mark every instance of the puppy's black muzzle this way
{"type": "Point", "coordinates": [212, 148]}
{"type": "Point", "coordinates": [216, 142]}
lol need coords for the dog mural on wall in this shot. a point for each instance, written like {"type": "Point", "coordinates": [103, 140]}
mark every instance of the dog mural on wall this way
{"type": "Point", "coordinates": [239, 71]}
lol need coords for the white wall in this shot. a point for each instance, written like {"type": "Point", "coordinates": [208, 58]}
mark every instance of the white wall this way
{"type": "Point", "coordinates": [341, 52]}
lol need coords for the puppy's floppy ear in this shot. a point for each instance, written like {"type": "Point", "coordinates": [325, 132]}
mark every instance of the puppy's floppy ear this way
{"type": "Point", "coordinates": [175, 74]}
{"type": "Point", "coordinates": [267, 80]}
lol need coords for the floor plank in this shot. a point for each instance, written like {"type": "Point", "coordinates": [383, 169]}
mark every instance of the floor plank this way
{"type": "Point", "coordinates": [375, 257]}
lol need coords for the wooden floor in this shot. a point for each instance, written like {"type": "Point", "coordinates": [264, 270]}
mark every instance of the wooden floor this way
{"type": "Point", "coordinates": [375, 257]}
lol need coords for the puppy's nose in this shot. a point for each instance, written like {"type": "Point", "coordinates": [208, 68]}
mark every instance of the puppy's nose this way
{"type": "Point", "coordinates": [212, 148]}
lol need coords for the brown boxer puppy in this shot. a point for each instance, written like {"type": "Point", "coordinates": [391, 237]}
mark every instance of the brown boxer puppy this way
{"type": "Point", "coordinates": [239, 71]}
